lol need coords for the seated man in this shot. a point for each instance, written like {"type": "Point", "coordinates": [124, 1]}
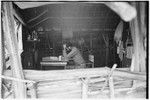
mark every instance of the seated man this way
{"type": "Point", "coordinates": [71, 52]}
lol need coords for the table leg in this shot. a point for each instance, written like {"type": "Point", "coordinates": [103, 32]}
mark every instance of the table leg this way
{"type": "Point", "coordinates": [41, 67]}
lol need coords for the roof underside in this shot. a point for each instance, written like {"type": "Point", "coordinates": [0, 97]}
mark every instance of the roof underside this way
{"type": "Point", "coordinates": [71, 15]}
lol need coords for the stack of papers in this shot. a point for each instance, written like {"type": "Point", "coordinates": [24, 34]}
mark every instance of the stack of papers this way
{"type": "Point", "coordinates": [51, 58]}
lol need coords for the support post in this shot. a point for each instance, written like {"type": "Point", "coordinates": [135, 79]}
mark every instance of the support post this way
{"type": "Point", "coordinates": [138, 31]}
{"type": "Point", "coordinates": [9, 30]}
{"type": "Point", "coordinates": [111, 87]}
{"type": "Point", "coordinates": [1, 60]}
{"type": "Point", "coordinates": [32, 90]}
{"type": "Point", "coordinates": [85, 88]}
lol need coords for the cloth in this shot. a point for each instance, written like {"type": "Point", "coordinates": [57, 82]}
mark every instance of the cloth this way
{"type": "Point", "coordinates": [18, 33]}
{"type": "Point", "coordinates": [129, 52]}
{"type": "Point", "coordinates": [118, 32]}
{"type": "Point", "coordinates": [120, 50]}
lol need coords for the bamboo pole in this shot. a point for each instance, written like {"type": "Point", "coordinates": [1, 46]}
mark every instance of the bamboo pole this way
{"type": "Point", "coordinates": [85, 88]}
{"type": "Point", "coordinates": [97, 80]}
{"type": "Point", "coordinates": [69, 94]}
{"type": "Point", "coordinates": [111, 87]}
{"type": "Point", "coordinates": [58, 91]}
{"type": "Point", "coordinates": [19, 88]}
{"type": "Point", "coordinates": [57, 86]}
{"type": "Point", "coordinates": [107, 91]}
{"type": "Point", "coordinates": [117, 83]}
{"type": "Point", "coordinates": [109, 75]}
{"type": "Point", "coordinates": [32, 89]}
{"type": "Point", "coordinates": [16, 79]}
{"type": "Point", "coordinates": [129, 75]}
{"type": "Point", "coordinates": [78, 73]}
{"type": "Point", "coordinates": [1, 59]}
{"type": "Point", "coordinates": [64, 74]}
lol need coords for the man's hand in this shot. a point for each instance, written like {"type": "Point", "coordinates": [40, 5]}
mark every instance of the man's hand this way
{"type": "Point", "coordinates": [64, 46]}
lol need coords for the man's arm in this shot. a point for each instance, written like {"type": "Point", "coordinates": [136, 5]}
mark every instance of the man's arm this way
{"type": "Point", "coordinates": [72, 53]}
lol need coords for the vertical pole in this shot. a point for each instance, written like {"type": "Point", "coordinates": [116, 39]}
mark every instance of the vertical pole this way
{"type": "Point", "coordinates": [137, 36]}
{"type": "Point", "coordinates": [32, 90]}
{"type": "Point", "coordinates": [18, 87]}
{"type": "Point", "coordinates": [85, 88]}
{"type": "Point", "coordinates": [111, 87]}
{"type": "Point", "coordinates": [1, 59]}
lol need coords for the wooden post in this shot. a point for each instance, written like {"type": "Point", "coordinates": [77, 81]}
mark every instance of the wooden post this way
{"type": "Point", "coordinates": [85, 88]}
{"type": "Point", "coordinates": [32, 89]}
{"type": "Point", "coordinates": [137, 31]}
{"type": "Point", "coordinates": [18, 87]}
{"type": "Point", "coordinates": [1, 59]}
{"type": "Point", "coordinates": [111, 87]}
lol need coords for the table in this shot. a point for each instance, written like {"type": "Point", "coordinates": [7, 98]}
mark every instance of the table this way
{"type": "Point", "coordinates": [53, 63]}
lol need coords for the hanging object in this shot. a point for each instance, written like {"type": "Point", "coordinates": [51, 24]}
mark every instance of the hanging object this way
{"type": "Point", "coordinates": [118, 32]}
{"type": "Point", "coordinates": [129, 52]}
{"type": "Point", "coordinates": [120, 50]}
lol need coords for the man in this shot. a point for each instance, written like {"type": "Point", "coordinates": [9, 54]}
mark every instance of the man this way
{"type": "Point", "coordinates": [71, 52]}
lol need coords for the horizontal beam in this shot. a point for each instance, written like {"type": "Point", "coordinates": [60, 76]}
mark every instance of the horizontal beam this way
{"type": "Point", "coordinates": [74, 20]}
{"type": "Point", "coordinates": [25, 5]}
{"type": "Point", "coordinates": [129, 75]}
{"type": "Point", "coordinates": [83, 17]}
{"type": "Point", "coordinates": [58, 29]}
{"type": "Point", "coordinates": [16, 14]}
{"type": "Point", "coordinates": [52, 75]}
{"type": "Point", "coordinates": [62, 74]}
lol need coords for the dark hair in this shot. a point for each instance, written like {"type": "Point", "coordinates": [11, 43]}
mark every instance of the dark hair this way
{"type": "Point", "coordinates": [69, 44]}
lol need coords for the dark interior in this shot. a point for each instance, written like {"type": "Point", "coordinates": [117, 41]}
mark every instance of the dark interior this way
{"type": "Point", "coordinates": [87, 25]}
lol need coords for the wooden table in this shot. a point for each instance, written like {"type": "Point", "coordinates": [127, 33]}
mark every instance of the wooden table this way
{"type": "Point", "coordinates": [53, 63]}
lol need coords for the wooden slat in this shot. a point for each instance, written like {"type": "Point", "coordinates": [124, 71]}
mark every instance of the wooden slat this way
{"type": "Point", "coordinates": [78, 73]}
{"type": "Point", "coordinates": [69, 94]}
{"type": "Point", "coordinates": [64, 74]}
{"type": "Point", "coordinates": [130, 75]}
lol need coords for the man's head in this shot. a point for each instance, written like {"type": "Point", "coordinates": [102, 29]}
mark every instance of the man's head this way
{"type": "Point", "coordinates": [68, 46]}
